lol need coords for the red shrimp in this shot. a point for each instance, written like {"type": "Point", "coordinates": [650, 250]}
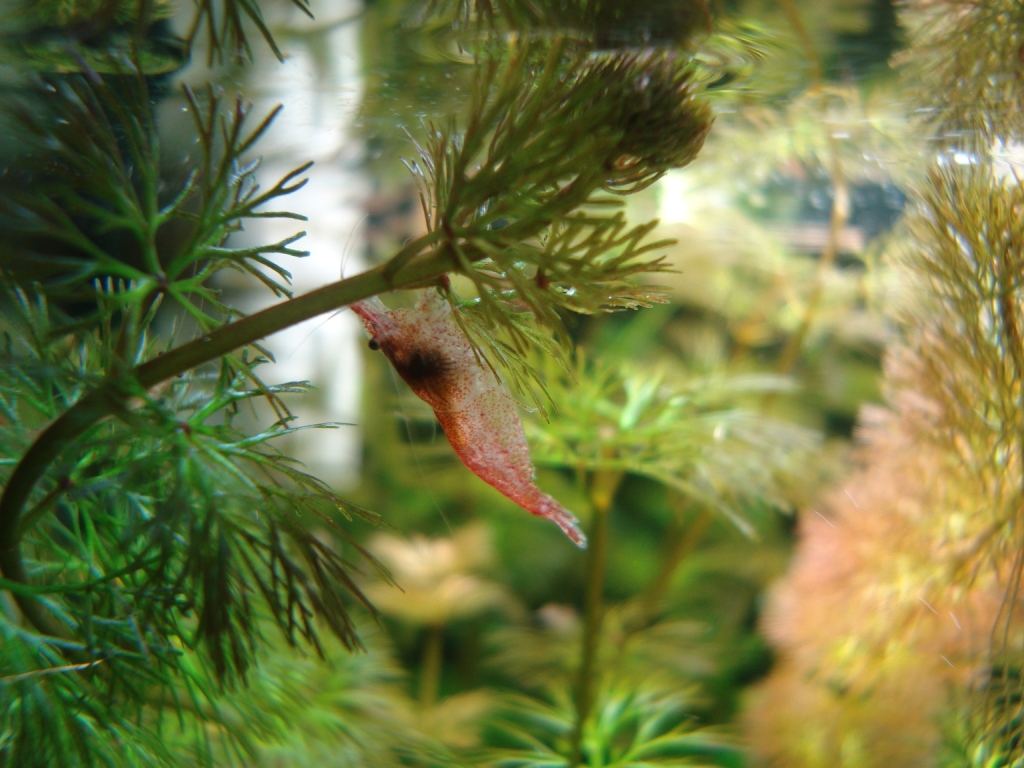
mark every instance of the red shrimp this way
{"type": "Point", "coordinates": [434, 356]}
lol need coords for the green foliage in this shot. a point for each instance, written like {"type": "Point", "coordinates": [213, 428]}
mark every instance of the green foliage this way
{"type": "Point", "coordinates": [163, 548]}
{"type": "Point", "coordinates": [607, 22]}
{"type": "Point", "coordinates": [508, 195]}
{"type": "Point", "coordinates": [70, 12]}
{"type": "Point", "coordinates": [107, 188]}
{"type": "Point", "coordinates": [967, 258]}
{"type": "Point", "coordinates": [985, 737]}
{"type": "Point", "coordinates": [942, 464]}
{"type": "Point", "coordinates": [90, 36]}
{"type": "Point", "coordinates": [630, 727]}
{"type": "Point", "coordinates": [173, 531]}
{"type": "Point", "coordinates": [690, 436]}
{"type": "Point", "coordinates": [165, 561]}
{"type": "Point", "coordinates": [966, 68]}
{"type": "Point", "coordinates": [504, 193]}
{"type": "Point", "coordinates": [300, 711]}
{"type": "Point", "coordinates": [226, 33]}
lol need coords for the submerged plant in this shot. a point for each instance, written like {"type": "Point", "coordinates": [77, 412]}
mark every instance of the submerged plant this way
{"type": "Point", "coordinates": [151, 544]}
{"type": "Point", "coordinates": [628, 726]}
{"type": "Point", "coordinates": [922, 547]}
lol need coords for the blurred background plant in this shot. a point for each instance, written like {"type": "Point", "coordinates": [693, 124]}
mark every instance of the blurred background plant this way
{"type": "Point", "coordinates": [180, 590]}
{"type": "Point", "coordinates": [898, 624]}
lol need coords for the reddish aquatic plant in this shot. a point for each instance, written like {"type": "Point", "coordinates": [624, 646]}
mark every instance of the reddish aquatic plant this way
{"type": "Point", "coordinates": [435, 358]}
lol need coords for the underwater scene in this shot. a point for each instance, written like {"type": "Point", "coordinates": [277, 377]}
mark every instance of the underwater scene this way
{"type": "Point", "coordinates": [512, 383]}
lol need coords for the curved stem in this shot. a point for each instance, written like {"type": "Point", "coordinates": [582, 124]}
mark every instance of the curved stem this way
{"type": "Point", "coordinates": [837, 220]}
{"type": "Point", "coordinates": [107, 397]}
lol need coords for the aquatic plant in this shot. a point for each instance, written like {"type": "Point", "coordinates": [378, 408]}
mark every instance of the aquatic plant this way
{"type": "Point", "coordinates": [921, 548]}
{"type": "Point", "coordinates": [154, 551]}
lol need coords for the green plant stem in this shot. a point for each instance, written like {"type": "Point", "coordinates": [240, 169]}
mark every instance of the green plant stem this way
{"type": "Point", "coordinates": [602, 487]}
{"type": "Point", "coordinates": [790, 9]}
{"type": "Point", "coordinates": [108, 397]}
{"type": "Point", "coordinates": [430, 665]}
{"type": "Point", "coordinates": [840, 207]}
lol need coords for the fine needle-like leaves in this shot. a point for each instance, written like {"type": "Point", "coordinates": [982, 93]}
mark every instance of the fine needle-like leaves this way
{"type": "Point", "coordinates": [693, 437]}
{"type": "Point", "coordinates": [165, 534]}
{"type": "Point", "coordinates": [103, 209]}
{"type": "Point", "coordinates": [195, 542]}
{"type": "Point", "coordinates": [153, 545]}
{"type": "Point", "coordinates": [630, 727]}
{"type": "Point", "coordinates": [525, 194]}
{"type": "Point", "coordinates": [226, 23]}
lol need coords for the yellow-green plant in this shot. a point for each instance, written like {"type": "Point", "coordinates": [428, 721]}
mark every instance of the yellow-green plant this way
{"type": "Point", "coordinates": [921, 549]}
{"type": "Point", "coordinates": [147, 542]}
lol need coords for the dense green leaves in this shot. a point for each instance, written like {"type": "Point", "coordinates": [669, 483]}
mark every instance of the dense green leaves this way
{"type": "Point", "coordinates": [227, 28]}
{"type": "Point", "coordinates": [104, 210]}
{"type": "Point", "coordinates": [692, 436]}
{"type": "Point", "coordinates": [157, 542]}
{"type": "Point", "coordinates": [509, 195]}
{"type": "Point", "coordinates": [166, 540]}
{"type": "Point", "coordinates": [169, 529]}
{"type": "Point", "coordinates": [631, 726]}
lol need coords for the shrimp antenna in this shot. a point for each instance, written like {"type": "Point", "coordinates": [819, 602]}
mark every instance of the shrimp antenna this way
{"type": "Point", "coordinates": [345, 253]}
{"type": "Point", "coordinates": [347, 250]}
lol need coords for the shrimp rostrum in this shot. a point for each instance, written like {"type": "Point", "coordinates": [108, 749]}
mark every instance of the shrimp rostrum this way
{"type": "Point", "coordinates": [479, 418]}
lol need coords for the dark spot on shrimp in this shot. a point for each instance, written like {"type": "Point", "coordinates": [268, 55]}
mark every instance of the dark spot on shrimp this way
{"type": "Point", "coordinates": [373, 344]}
{"type": "Point", "coordinates": [421, 367]}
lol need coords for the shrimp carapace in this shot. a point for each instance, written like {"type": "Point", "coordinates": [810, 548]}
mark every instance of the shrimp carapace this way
{"type": "Point", "coordinates": [435, 358]}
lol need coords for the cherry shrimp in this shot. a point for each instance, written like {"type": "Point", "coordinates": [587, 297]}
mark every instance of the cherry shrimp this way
{"type": "Point", "coordinates": [479, 418]}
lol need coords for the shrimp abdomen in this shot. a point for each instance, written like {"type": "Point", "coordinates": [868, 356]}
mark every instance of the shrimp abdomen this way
{"type": "Point", "coordinates": [488, 437]}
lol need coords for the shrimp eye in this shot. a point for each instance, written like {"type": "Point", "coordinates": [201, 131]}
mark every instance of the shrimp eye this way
{"type": "Point", "coordinates": [373, 344]}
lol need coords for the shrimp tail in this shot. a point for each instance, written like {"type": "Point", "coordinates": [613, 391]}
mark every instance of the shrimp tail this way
{"type": "Point", "coordinates": [561, 517]}
{"type": "Point", "coordinates": [517, 484]}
